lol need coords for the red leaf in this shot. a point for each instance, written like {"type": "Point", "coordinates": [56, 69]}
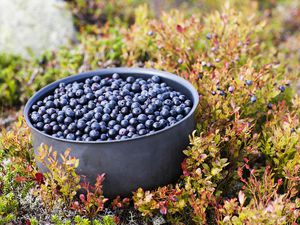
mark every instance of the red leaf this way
{"type": "Point", "coordinates": [27, 222]}
{"type": "Point", "coordinates": [39, 177]}
{"type": "Point", "coordinates": [82, 197]}
{"type": "Point", "coordinates": [179, 28]}
{"type": "Point", "coordinates": [163, 210]}
{"type": "Point", "coordinates": [20, 179]}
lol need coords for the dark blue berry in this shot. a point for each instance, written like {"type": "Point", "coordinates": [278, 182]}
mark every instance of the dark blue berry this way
{"type": "Point", "coordinates": [94, 134]}
{"type": "Point", "coordinates": [142, 132]}
{"type": "Point", "coordinates": [142, 118]}
{"type": "Point", "coordinates": [253, 98]}
{"type": "Point", "coordinates": [133, 121]}
{"type": "Point", "coordinates": [136, 111]}
{"type": "Point", "coordinates": [69, 112]}
{"type": "Point", "coordinates": [248, 82]}
{"type": "Point", "coordinates": [95, 126]}
{"type": "Point", "coordinates": [281, 88]}
{"type": "Point", "coordinates": [47, 128]}
{"type": "Point", "coordinates": [112, 133]}
{"type": "Point", "coordinates": [140, 126]}
{"type": "Point", "coordinates": [70, 136]}
{"type": "Point", "coordinates": [155, 79]}
{"type": "Point", "coordinates": [149, 123]}
{"type": "Point", "coordinates": [123, 132]}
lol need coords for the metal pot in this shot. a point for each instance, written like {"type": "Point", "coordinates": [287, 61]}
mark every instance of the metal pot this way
{"type": "Point", "coordinates": [148, 161]}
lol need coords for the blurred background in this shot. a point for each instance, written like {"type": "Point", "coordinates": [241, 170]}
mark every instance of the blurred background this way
{"type": "Point", "coordinates": [41, 41]}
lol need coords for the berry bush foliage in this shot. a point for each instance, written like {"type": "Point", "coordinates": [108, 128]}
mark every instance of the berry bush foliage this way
{"type": "Point", "coordinates": [243, 162]}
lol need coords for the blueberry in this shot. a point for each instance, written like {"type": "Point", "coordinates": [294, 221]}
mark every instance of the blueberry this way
{"type": "Point", "coordinates": [94, 134]}
{"type": "Point", "coordinates": [115, 76]}
{"type": "Point", "coordinates": [142, 118]}
{"type": "Point", "coordinates": [40, 125]}
{"type": "Point", "coordinates": [133, 121]}
{"type": "Point", "coordinates": [96, 79]}
{"type": "Point", "coordinates": [248, 82]}
{"type": "Point", "coordinates": [79, 93]}
{"type": "Point", "coordinates": [187, 110]}
{"type": "Point", "coordinates": [179, 117]}
{"type": "Point", "coordinates": [68, 120]}
{"type": "Point", "coordinates": [107, 110]}
{"type": "Point", "coordinates": [95, 126]}
{"type": "Point", "coordinates": [253, 98]}
{"type": "Point", "coordinates": [70, 136]}
{"type": "Point", "coordinates": [149, 111]}
{"type": "Point", "coordinates": [112, 133]}
{"type": "Point", "coordinates": [135, 87]}
{"type": "Point", "coordinates": [103, 137]}
{"type": "Point", "coordinates": [35, 107]}
{"type": "Point", "coordinates": [140, 126]}
{"type": "Point", "coordinates": [60, 119]}
{"type": "Point", "coordinates": [135, 105]}
{"type": "Point", "coordinates": [149, 123]}
{"type": "Point", "coordinates": [78, 133]}
{"type": "Point", "coordinates": [39, 103]}
{"type": "Point", "coordinates": [72, 127]}
{"type": "Point", "coordinates": [163, 123]}
{"type": "Point", "coordinates": [130, 79]}
{"type": "Point", "coordinates": [165, 113]}
{"type": "Point", "coordinates": [111, 123]}
{"type": "Point", "coordinates": [156, 125]}
{"type": "Point", "coordinates": [208, 36]}
{"type": "Point", "coordinates": [106, 117]}
{"type": "Point", "coordinates": [188, 103]}
{"type": "Point", "coordinates": [231, 89]}
{"type": "Point", "coordinates": [270, 105]}
{"type": "Point", "coordinates": [281, 88]}
{"type": "Point", "coordinates": [91, 105]}
{"type": "Point", "coordinates": [90, 96]}
{"type": "Point", "coordinates": [117, 127]}
{"type": "Point", "coordinates": [123, 132]}
{"type": "Point", "coordinates": [47, 128]}
{"type": "Point", "coordinates": [221, 92]}
{"type": "Point", "coordinates": [53, 123]}
{"type": "Point", "coordinates": [89, 139]}
{"type": "Point", "coordinates": [78, 113]}
{"type": "Point", "coordinates": [88, 116]}
{"type": "Point", "coordinates": [142, 132]}
{"type": "Point", "coordinates": [119, 117]}
{"type": "Point", "coordinates": [124, 123]}
{"type": "Point", "coordinates": [155, 79]}
{"type": "Point", "coordinates": [94, 87]}
{"type": "Point", "coordinates": [158, 118]}
{"type": "Point", "coordinates": [131, 128]}
{"type": "Point", "coordinates": [49, 104]}
{"type": "Point", "coordinates": [130, 134]}
{"type": "Point", "coordinates": [124, 110]}
{"type": "Point", "coordinates": [69, 112]}
{"type": "Point", "coordinates": [136, 111]}
{"type": "Point", "coordinates": [98, 116]}
{"type": "Point", "coordinates": [36, 117]}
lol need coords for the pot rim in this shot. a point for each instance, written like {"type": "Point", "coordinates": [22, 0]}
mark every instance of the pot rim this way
{"type": "Point", "coordinates": [103, 72]}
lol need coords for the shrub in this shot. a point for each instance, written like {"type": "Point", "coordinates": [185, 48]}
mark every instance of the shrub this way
{"type": "Point", "coordinates": [60, 183]}
{"type": "Point", "coordinates": [243, 162]}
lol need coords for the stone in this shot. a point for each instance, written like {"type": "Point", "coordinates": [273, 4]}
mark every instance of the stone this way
{"type": "Point", "coordinates": [33, 26]}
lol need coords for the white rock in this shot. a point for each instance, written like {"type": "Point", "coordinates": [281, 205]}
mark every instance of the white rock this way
{"type": "Point", "coordinates": [34, 26]}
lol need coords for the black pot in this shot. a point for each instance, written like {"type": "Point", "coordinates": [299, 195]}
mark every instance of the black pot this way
{"type": "Point", "coordinates": [148, 161]}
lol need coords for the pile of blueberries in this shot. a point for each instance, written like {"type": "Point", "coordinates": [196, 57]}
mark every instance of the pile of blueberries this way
{"type": "Point", "coordinates": [109, 108]}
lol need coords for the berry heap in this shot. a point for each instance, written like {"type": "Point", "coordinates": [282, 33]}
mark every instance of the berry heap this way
{"type": "Point", "coordinates": [110, 108]}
